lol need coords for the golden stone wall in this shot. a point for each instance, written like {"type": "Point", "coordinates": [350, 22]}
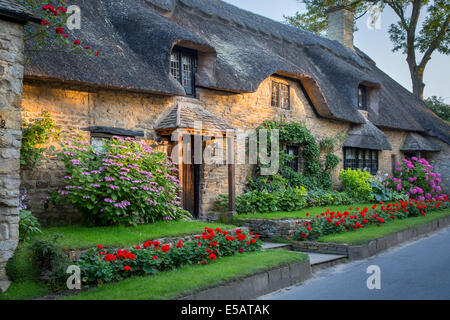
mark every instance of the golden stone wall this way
{"type": "Point", "coordinates": [78, 108]}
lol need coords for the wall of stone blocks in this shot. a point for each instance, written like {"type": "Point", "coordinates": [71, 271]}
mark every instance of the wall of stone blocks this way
{"type": "Point", "coordinates": [75, 108]}
{"type": "Point", "coordinates": [11, 74]}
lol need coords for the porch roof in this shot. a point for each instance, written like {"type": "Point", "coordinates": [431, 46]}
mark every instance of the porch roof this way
{"type": "Point", "coordinates": [367, 136]}
{"type": "Point", "coordinates": [186, 116]}
{"type": "Point", "coordinates": [417, 142]}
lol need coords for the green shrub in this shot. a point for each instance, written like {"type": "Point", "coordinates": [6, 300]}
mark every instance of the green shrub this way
{"type": "Point", "coordinates": [123, 182]}
{"type": "Point", "coordinates": [51, 262]}
{"type": "Point", "coordinates": [320, 198]}
{"type": "Point", "coordinates": [357, 184]}
{"type": "Point", "coordinates": [290, 199]}
{"type": "Point", "coordinates": [28, 225]}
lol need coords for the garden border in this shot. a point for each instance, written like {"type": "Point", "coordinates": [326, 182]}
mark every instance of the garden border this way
{"type": "Point", "coordinates": [358, 252]}
{"type": "Point", "coordinates": [258, 284]}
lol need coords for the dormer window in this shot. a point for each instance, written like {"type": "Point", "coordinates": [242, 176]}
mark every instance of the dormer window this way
{"type": "Point", "coordinates": [183, 63]}
{"type": "Point", "coordinates": [362, 97]}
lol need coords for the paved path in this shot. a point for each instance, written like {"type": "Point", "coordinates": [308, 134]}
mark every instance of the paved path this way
{"type": "Point", "coordinates": [417, 270]}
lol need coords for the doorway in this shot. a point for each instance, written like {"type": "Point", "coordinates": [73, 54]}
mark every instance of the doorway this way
{"type": "Point", "coordinates": [191, 183]}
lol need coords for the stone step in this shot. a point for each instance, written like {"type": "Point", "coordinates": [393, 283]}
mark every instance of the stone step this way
{"type": "Point", "coordinates": [273, 245]}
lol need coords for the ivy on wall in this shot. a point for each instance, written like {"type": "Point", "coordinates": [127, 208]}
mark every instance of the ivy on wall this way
{"type": "Point", "coordinates": [35, 134]}
{"type": "Point", "coordinates": [315, 174]}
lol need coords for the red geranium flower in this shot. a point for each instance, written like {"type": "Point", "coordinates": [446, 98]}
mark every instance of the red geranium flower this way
{"type": "Point", "coordinates": [127, 268]}
{"type": "Point", "coordinates": [99, 246]}
{"type": "Point", "coordinates": [241, 250]}
{"type": "Point", "coordinates": [212, 256]}
{"type": "Point", "coordinates": [77, 42]}
{"type": "Point", "coordinates": [165, 248]}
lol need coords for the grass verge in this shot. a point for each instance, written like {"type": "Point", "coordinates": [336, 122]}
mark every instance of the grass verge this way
{"type": "Point", "coordinates": [81, 237]}
{"type": "Point", "coordinates": [23, 276]}
{"type": "Point", "coordinates": [300, 214]}
{"type": "Point", "coordinates": [177, 283]}
{"type": "Point", "coordinates": [365, 235]}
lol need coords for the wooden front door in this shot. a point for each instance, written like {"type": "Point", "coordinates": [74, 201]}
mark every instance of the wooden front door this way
{"type": "Point", "coordinates": [191, 185]}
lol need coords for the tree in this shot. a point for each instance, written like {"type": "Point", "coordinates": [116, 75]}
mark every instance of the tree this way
{"type": "Point", "coordinates": [405, 34]}
{"type": "Point", "coordinates": [438, 106]}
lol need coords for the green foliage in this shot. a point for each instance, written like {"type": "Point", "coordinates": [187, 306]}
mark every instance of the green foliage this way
{"type": "Point", "coordinates": [290, 199]}
{"type": "Point", "coordinates": [34, 135]}
{"type": "Point", "coordinates": [439, 107]}
{"type": "Point", "coordinates": [264, 201]}
{"type": "Point", "coordinates": [28, 225]}
{"type": "Point", "coordinates": [126, 182]}
{"type": "Point", "coordinates": [319, 198]}
{"type": "Point", "coordinates": [314, 175]}
{"type": "Point", "coordinates": [357, 183]}
{"type": "Point", "coordinates": [51, 262]}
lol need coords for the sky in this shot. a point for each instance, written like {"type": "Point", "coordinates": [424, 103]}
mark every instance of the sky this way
{"type": "Point", "coordinates": [374, 42]}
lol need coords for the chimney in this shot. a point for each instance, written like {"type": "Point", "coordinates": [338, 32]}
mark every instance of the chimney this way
{"type": "Point", "coordinates": [340, 25]}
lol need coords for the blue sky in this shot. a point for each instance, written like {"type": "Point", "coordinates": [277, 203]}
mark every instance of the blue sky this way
{"type": "Point", "coordinates": [375, 43]}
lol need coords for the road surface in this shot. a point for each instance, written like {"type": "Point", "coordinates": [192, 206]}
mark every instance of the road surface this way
{"type": "Point", "coordinates": [416, 270]}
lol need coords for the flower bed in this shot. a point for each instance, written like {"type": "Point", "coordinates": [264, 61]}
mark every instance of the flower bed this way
{"type": "Point", "coordinates": [99, 266]}
{"type": "Point", "coordinates": [331, 222]}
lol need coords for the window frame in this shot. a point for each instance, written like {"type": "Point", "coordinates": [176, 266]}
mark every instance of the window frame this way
{"type": "Point", "coordinates": [183, 53]}
{"type": "Point", "coordinates": [361, 161]}
{"type": "Point", "coordinates": [294, 163]}
{"type": "Point", "coordinates": [278, 103]}
{"type": "Point", "coordinates": [363, 97]}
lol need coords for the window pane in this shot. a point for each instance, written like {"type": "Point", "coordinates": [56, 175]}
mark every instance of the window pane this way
{"type": "Point", "coordinates": [350, 159]}
{"type": "Point", "coordinates": [175, 65]}
{"type": "Point", "coordinates": [284, 96]}
{"type": "Point", "coordinates": [188, 67]}
{"type": "Point", "coordinates": [275, 90]}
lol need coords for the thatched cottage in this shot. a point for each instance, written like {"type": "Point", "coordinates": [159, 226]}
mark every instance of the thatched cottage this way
{"type": "Point", "coordinates": [167, 63]}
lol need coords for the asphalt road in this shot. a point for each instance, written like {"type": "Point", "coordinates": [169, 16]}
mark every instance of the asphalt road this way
{"type": "Point", "coordinates": [416, 270]}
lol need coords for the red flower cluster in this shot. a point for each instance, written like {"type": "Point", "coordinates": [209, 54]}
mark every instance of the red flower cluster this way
{"type": "Point", "coordinates": [334, 222]}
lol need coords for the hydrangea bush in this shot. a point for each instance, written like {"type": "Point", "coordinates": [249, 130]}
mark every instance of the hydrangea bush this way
{"type": "Point", "coordinates": [416, 178]}
{"type": "Point", "coordinates": [123, 182]}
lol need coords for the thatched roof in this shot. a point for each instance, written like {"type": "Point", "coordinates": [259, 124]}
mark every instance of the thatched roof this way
{"type": "Point", "coordinates": [184, 115]}
{"type": "Point", "coordinates": [417, 142]}
{"type": "Point", "coordinates": [237, 51]}
{"type": "Point", "coordinates": [12, 10]}
{"type": "Point", "coordinates": [367, 136]}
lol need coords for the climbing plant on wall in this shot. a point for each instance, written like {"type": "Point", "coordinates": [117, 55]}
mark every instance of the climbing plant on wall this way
{"type": "Point", "coordinates": [35, 134]}
{"type": "Point", "coordinates": [52, 30]}
{"type": "Point", "coordinates": [315, 174]}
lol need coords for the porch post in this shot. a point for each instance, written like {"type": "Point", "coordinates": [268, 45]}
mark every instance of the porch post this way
{"type": "Point", "coordinates": [180, 164]}
{"type": "Point", "coordinates": [231, 179]}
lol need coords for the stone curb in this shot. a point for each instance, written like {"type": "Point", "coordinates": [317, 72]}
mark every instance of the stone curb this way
{"type": "Point", "coordinates": [358, 252]}
{"type": "Point", "coordinates": [258, 284]}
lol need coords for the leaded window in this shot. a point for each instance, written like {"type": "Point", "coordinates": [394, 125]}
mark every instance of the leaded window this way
{"type": "Point", "coordinates": [293, 163]}
{"type": "Point", "coordinates": [280, 95]}
{"type": "Point", "coordinates": [364, 159]}
{"type": "Point", "coordinates": [183, 63]}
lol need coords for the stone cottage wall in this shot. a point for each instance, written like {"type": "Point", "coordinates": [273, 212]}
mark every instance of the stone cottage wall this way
{"type": "Point", "coordinates": [11, 74]}
{"type": "Point", "coordinates": [74, 109]}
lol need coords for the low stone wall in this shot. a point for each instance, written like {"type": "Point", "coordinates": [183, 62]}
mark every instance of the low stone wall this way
{"type": "Point", "coordinates": [75, 255]}
{"type": "Point", "coordinates": [321, 247]}
{"type": "Point", "coordinates": [259, 284]}
{"type": "Point", "coordinates": [268, 229]}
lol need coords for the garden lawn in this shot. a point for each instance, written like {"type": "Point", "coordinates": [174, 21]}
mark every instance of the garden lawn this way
{"type": "Point", "coordinates": [365, 235]}
{"type": "Point", "coordinates": [181, 282]}
{"type": "Point", "coordinates": [81, 237]}
{"type": "Point", "coordinates": [300, 214]}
